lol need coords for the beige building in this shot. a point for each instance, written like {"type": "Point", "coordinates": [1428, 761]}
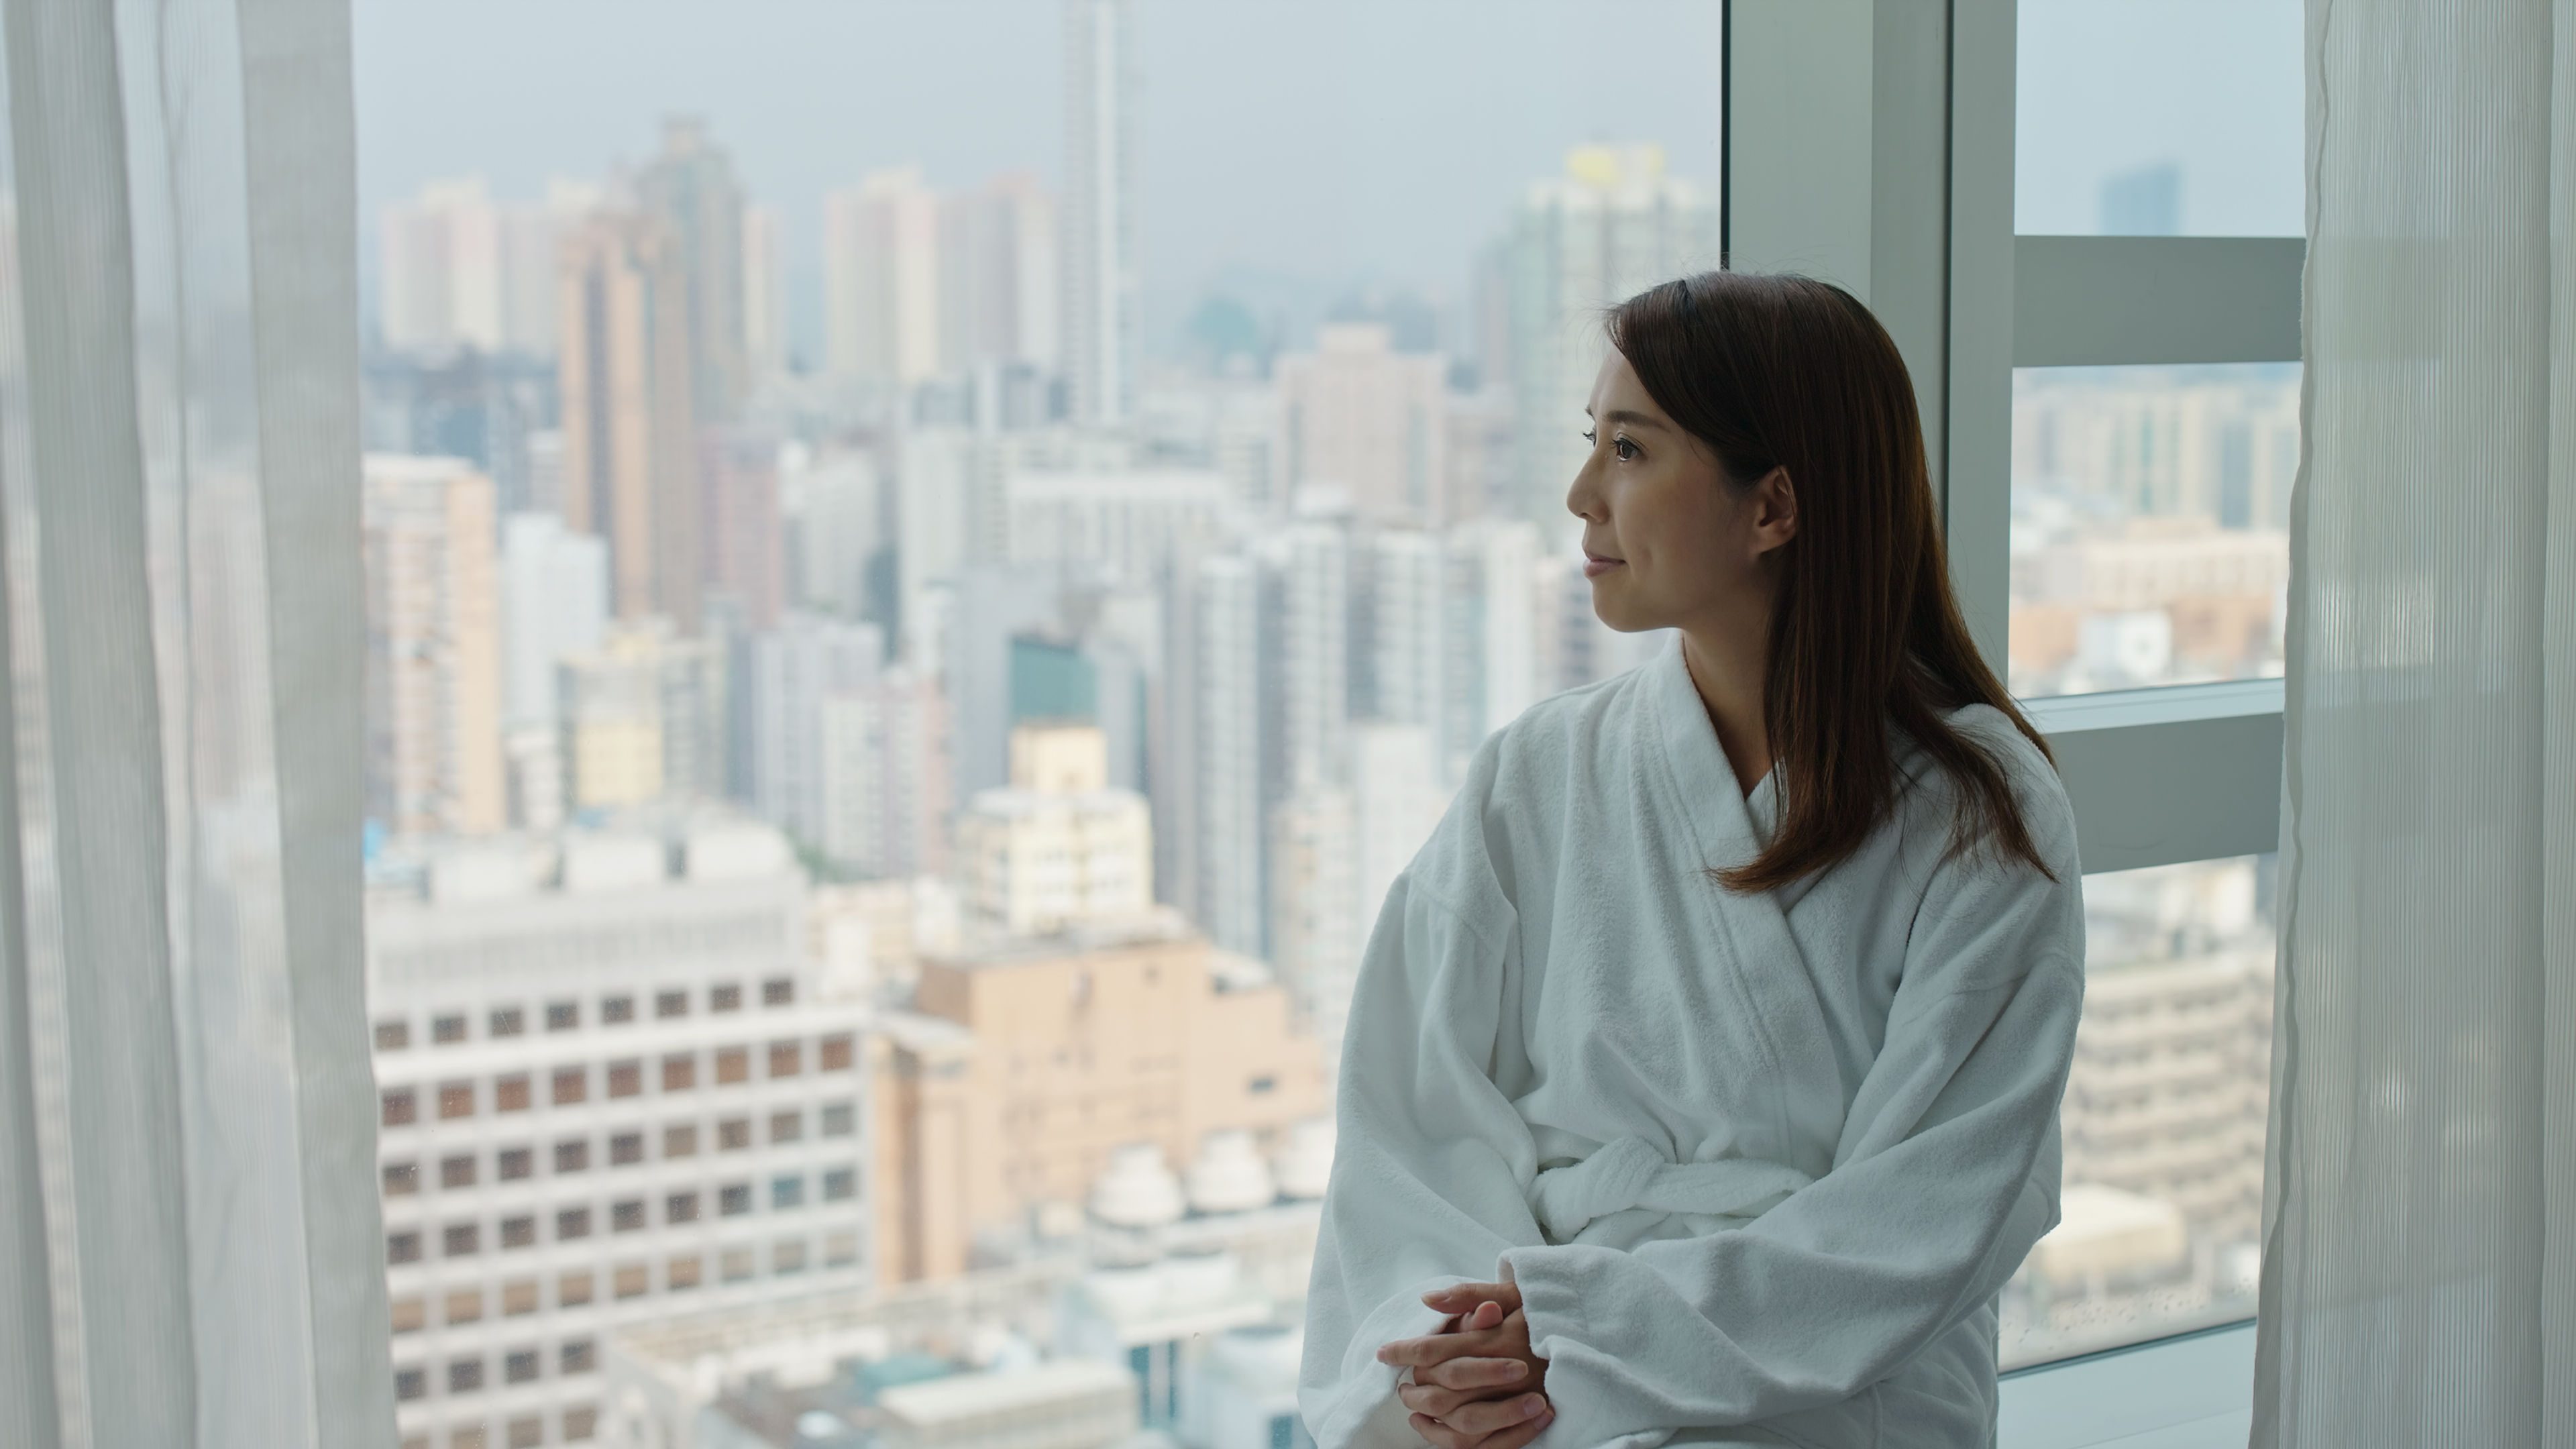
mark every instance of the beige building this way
{"type": "Point", "coordinates": [1057, 847]}
{"type": "Point", "coordinates": [433, 647]}
{"type": "Point", "coordinates": [630, 455]}
{"type": "Point", "coordinates": [1026, 1065]}
{"type": "Point", "coordinates": [1364, 418]}
{"type": "Point", "coordinates": [641, 720]}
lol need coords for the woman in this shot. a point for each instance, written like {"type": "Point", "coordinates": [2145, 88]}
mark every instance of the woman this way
{"type": "Point", "coordinates": [1701, 1083]}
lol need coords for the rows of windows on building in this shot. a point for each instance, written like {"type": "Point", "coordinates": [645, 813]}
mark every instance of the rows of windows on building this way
{"type": "Point", "coordinates": [901, 824]}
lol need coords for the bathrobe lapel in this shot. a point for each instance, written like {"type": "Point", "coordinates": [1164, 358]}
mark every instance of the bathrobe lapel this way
{"type": "Point", "coordinates": [1757, 955]}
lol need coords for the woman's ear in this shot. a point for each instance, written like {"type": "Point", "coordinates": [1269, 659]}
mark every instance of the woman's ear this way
{"type": "Point", "coordinates": [1775, 510]}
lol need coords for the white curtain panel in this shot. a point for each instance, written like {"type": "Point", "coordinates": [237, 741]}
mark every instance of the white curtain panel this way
{"type": "Point", "coordinates": [190, 1251]}
{"type": "Point", "coordinates": [2419, 1275]}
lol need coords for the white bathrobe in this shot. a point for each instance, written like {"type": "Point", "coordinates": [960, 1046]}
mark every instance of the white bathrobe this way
{"type": "Point", "coordinates": [1757, 1164]}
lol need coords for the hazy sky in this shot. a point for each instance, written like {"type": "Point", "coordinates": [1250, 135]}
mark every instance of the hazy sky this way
{"type": "Point", "coordinates": [1289, 149]}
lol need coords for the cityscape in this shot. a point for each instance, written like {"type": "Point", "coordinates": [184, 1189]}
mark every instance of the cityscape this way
{"type": "Point", "coordinates": [876, 798]}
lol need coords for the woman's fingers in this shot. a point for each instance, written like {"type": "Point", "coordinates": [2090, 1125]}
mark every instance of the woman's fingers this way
{"type": "Point", "coordinates": [1463, 1297]}
{"type": "Point", "coordinates": [1429, 1399]}
{"type": "Point", "coordinates": [1500, 1424]}
{"type": "Point", "coordinates": [1472, 1373]}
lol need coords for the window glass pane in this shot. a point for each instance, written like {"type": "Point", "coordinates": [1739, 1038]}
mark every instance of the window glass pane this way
{"type": "Point", "coordinates": [2150, 524]}
{"type": "Point", "coordinates": [2164, 1115]}
{"type": "Point", "coordinates": [2160, 118]}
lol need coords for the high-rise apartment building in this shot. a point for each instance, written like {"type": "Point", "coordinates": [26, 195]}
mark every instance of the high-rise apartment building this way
{"type": "Point", "coordinates": [610, 1091]}
{"type": "Point", "coordinates": [690, 188]}
{"type": "Point", "coordinates": [741, 536]}
{"type": "Point", "coordinates": [1000, 269]}
{"type": "Point", "coordinates": [1100, 318]}
{"type": "Point", "coordinates": [554, 605]}
{"type": "Point", "coordinates": [881, 282]}
{"type": "Point", "coordinates": [764, 293]}
{"type": "Point", "coordinates": [1492, 653]}
{"type": "Point", "coordinates": [833, 518]}
{"type": "Point", "coordinates": [1611, 226]}
{"type": "Point", "coordinates": [630, 452]}
{"type": "Point", "coordinates": [886, 776]}
{"type": "Point", "coordinates": [1370, 422]}
{"type": "Point", "coordinates": [797, 669]}
{"type": "Point", "coordinates": [458, 269]}
{"type": "Point", "coordinates": [433, 647]}
{"type": "Point", "coordinates": [1032, 1062]}
{"type": "Point", "coordinates": [1057, 847]}
{"type": "Point", "coordinates": [643, 719]}
{"type": "Point", "coordinates": [1313, 839]}
{"type": "Point", "coordinates": [1225, 720]}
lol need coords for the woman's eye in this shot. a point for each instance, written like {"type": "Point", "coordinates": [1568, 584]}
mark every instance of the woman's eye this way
{"type": "Point", "coordinates": [1626, 450]}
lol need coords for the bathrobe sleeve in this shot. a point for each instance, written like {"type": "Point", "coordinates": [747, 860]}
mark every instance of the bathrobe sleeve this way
{"type": "Point", "coordinates": [1945, 1174]}
{"type": "Point", "coordinates": [1428, 1158]}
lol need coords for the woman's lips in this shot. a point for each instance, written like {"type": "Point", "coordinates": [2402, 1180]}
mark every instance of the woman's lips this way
{"type": "Point", "coordinates": [1594, 566]}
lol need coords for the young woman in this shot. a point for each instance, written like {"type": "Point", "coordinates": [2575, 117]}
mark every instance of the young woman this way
{"type": "Point", "coordinates": [1701, 1084]}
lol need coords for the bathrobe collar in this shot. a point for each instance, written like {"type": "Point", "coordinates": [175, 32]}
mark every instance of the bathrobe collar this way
{"type": "Point", "coordinates": [1732, 826]}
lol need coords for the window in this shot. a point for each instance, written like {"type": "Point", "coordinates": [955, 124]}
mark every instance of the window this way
{"type": "Point", "coordinates": [724, 998]}
{"type": "Point", "coordinates": [572, 1084]}
{"type": "Point", "coordinates": [573, 1290]}
{"type": "Point", "coordinates": [735, 1200]}
{"type": "Point", "coordinates": [617, 1010]}
{"type": "Point", "coordinates": [627, 1216]}
{"type": "Point", "coordinates": [402, 1247]}
{"type": "Point", "coordinates": [787, 1257]}
{"type": "Point", "coordinates": [402, 1179]}
{"type": "Point", "coordinates": [563, 1015]}
{"type": "Point", "coordinates": [840, 1249]}
{"type": "Point", "coordinates": [737, 1265]}
{"type": "Point", "coordinates": [519, 1366]}
{"type": "Point", "coordinates": [409, 1314]}
{"type": "Point", "coordinates": [509, 1021]}
{"type": "Point", "coordinates": [446, 1030]}
{"type": "Point", "coordinates": [680, 1207]}
{"type": "Point", "coordinates": [456, 1172]}
{"type": "Point", "coordinates": [572, 1154]}
{"type": "Point", "coordinates": [668, 1004]}
{"type": "Point", "coordinates": [680, 1140]}
{"type": "Point", "coordinates": [836, 1053]}
{"type": "Point", "coordinates": [462, 1239]}
{"type": "Point", "coordinates": [779, 991]}
{"type": "Point", "coordinates": [626, 1148]}
{"type": "Point", "coordinates": [510, 1093]}
{"type": "Point", "coordinates": [526, 1433]}
{"type": "Point", "coordinates": [571, 1223]}
{"type": "Point", "coordinates": [683, 1273]}
{"type": "Point", "coordinates": [1261, 1085]}
{"type": "Point", "coordinates": [787, 1192]}
{"type": "Point", "coordinates": [515, 1163]}
{"type": "Point", "coordinates": [679, 1072]}
{"type": "Point", "coordinates": [518, 1297]}
{"type": "Point", "coordinates": [465, 1305]}
{"type": "Point", "coordinates": [464, 1375]}
{"type": "Point", "coordinates": [786, 1126]}
{"type": "Point", "coordinates": [625, 1079]}
{"type": "Point", "coordinates": [580, 1424]}
{"type": "Point", "coordinates": [631, 1281]}
{"type": "Point", "coordinates": [733, 1134]}
{"type": "Point", "coordinates": [839, 1184]}
{"type": "Point", "coordinates": [786, 1058]}
{"type": "Point", "coordinates": [519, 1232]}
{"type": "Point", "coordinates": [455, 1099]}
{"type": "Point", "coordinates": [393, 1036]}
{"type": "Point", "coordinates": [401, 1107]}
{"type": "Point", "coordinates": [733, 1064]}
{"type": "Point", "coordinates": [410, 1384]}
{"type": "Point", "coordinates": [839, 1120]}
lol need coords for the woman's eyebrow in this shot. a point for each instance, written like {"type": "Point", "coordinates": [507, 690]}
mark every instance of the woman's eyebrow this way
{"type": "Point", "coordinates": [1639, 420]}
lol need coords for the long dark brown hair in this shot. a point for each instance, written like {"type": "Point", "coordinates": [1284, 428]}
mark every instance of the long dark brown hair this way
{"type": "Point", "coordinates": [1772, 371]}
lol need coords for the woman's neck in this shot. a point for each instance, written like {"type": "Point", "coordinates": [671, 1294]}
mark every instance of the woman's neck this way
{"type": "Point", "coordinates": [1727, 667]}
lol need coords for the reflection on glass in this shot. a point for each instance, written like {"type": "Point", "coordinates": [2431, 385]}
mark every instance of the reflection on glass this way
{"type": "Point", "coordinates": [2164, 1117]}
{"type": "Point", "coordinates": [2159, 118]}
{"type": "Point", "coordinates": [2150, 520]}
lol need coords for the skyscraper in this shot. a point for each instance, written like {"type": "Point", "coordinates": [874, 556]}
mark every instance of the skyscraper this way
{"type": "Point", "coordinates": [881, 279]}
{"type": "Point", "coordinates": [1224, 715]}
{"type": "Point", "coordinates": [1368, 420]}
{"type": "Point", "coordinates": [999, 276]}
{"type": "Point", "coordinates": [456, 268]}
{"type": "Point", "coordinates": [630, 458]}
{"type": "Point", "coordinates": [433, 647]}
{"type": "Point", "coordinates": [742, 543]}
{"type": "Point", "coordinates": [764, 293]}
{"type": "Point", "coordinates": [690, 189]}
{"type": "Point", "coordinates": [1100, 331]}
{"type": "Point", "coordinates": [1611, 226]}
{"type": "Point", "coordinates": [795, 670]}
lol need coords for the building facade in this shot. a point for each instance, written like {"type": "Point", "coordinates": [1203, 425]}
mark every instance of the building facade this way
{"type": "Point", "coordinates": [433, 686]}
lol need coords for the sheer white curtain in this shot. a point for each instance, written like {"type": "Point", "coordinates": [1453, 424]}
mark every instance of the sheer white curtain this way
{"type": "Point", "coordinates": [189, 1244]}
{"type": "Point", "coordinates": [2419, 1280]}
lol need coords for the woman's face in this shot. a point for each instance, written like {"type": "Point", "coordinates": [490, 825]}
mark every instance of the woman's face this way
{"type": "Point", "coordinates": [1667, 541]}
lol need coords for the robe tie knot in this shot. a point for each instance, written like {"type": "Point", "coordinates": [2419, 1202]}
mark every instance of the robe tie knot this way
{"type": "Point", "coordinates": [1630, 1173]}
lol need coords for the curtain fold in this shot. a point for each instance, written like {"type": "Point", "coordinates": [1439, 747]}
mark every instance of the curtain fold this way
{"type": "Point", "coordinates": [190, 1250]}
{"type": "Point", "coordinates": [2421, 1187]}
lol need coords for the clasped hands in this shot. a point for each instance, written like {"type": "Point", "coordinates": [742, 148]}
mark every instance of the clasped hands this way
{"type": "Point", "coordinates": [1476, 1385]}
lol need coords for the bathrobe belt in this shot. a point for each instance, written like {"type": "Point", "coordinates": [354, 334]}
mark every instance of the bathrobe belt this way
{"type": "Point", "coordinates": [1629, 1173]}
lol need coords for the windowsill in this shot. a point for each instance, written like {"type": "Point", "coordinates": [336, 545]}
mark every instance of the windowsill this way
{"type": "Point", "coordinates": [2166, 704]}
{"type": "Point", "coordinates": [2192, 1391]}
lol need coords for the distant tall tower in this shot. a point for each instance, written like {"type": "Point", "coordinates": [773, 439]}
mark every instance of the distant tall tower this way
{"type": "Point", "coordinates": [630, 455]}
{"type": "Point", "coordinates": [433, 647]}
{"type": "Point", "coordinates": [881, 278]}
{"type": "Point", "coordinates": [1099, 210]}
{"type": "Point", "coordinates": [690, 189]}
